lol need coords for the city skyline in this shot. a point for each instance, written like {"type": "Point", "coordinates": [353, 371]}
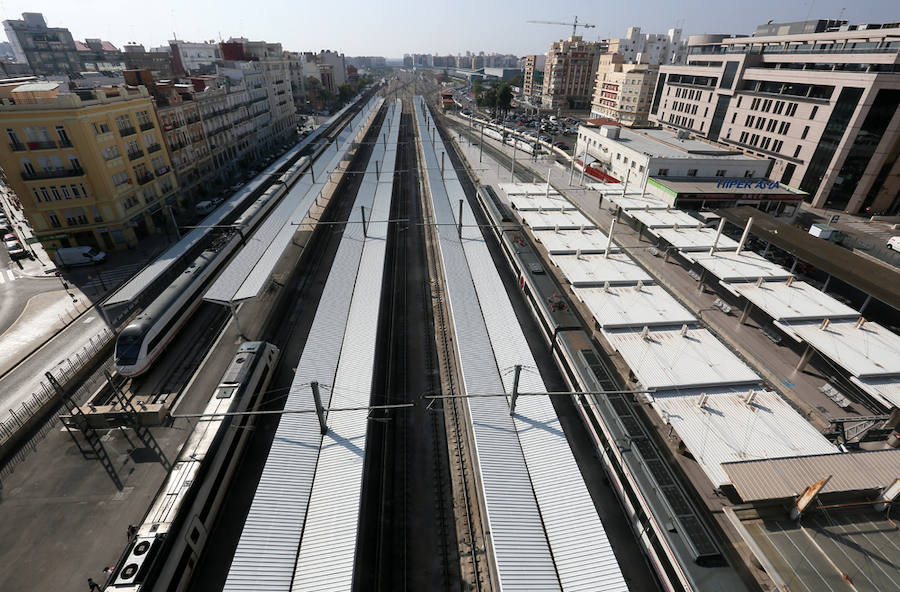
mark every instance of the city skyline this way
{"type": "Point", "coordinates": [426, 29]}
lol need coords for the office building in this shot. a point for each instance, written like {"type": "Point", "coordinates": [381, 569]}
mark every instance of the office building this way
{"type": "Point", "coordinates": [533, 78]}
{"type": "Point", "coordinates": [194, 58]}
{"type": "Point", "coordinates": [88, 167]}
{"type": "Point", "coordinates": [97, 55]}
{"type": "Point", "coordinates": [823, 106]}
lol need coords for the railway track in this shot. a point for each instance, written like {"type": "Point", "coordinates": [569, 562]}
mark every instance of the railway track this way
{"type": "Point", "coordinates": [469, 526]}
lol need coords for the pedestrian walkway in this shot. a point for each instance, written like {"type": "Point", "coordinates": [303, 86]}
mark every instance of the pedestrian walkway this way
{"type": "Point", "coordinates": [7, 275]}
{"type": "Point", "coordinates": [9, 205]}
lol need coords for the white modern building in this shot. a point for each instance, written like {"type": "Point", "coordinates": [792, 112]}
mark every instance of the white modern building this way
{"type": "Point", "coordinates": [650, 48]}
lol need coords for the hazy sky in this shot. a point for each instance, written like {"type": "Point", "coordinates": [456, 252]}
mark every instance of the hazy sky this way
{"type": "Point", "coordinates": [392, 28]}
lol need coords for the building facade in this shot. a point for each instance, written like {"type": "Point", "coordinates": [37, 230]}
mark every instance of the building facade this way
{"type": "Point", "coordinates": [570, 74]}
{"type": "Point", "coordinates": [624, 92]}
{"type": "Point", "coordinates": [653, 49]}
{"type": "Point", "coordinates": [533, 75]}
{"type": "Point", "coordinates": [97, 55]}
{"type": "Point", "coordinates": [89, 167]}
{"type": "Point", "coordinates": [823, 106]}
{"type": "Point", "coordinates": [46, 50]}
{"type": "Point", "coordinates": [194, 58]}
{"type": "Point", "coordinates": [158, 62]}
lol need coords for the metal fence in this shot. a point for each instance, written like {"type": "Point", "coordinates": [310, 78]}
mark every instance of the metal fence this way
{"type": "Point", "coordinates": [64, 373]}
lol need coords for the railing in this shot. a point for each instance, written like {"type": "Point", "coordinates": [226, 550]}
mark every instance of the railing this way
{"type": "Point", "coordinates": [192, 120]}
{"type": "Point", "coordinates": [65, 143]}
{"type": "Point", "coordinates": [153, 148]}
{"type": "Point", "coordinates": [54, 174]}
{"type": "Point", "coordinates": [146, 125]}
{"type": "Point", "coordinates": [162, 170]}
{"type": "Point", "coordinates": [127, 131]}
{"type": "Point", "coordinates": [42, 145]}
{"type": "Point", "coordinates": [17, 147]}
{"type": "Point", "coordinates": [145, 178]}
{"type": "Point", "coordinates": [134, 155]}
{"type": "Point", "coordinates": [64, 373]}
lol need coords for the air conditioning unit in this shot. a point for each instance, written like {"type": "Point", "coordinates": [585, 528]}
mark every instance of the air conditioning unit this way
{"type": "Point", "coordinates": [140, 553]}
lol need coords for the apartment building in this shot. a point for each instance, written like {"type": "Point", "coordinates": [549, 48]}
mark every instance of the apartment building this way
{"type": "Point", "coordinates": [97, 55]}
{"type": "Point", "coordinates": [194, 58]}
{"type": "Point", "coordinates": [570, 74]}
{"type": "Point", "coordinates": [88, 167]}
{"type": "Point", "coordinates": [533, 75]}
{"type": "Point", "coordinates": [624, 91]}
{"type": "Point", "coordinates": [822, 105]}
{"type": "Point", "coordinates": [158, 62]}
{"type": "Point", "coordinates": [46, 50]}
{"type": "Point", "coordinates": [211, 97]}
{"type": "Point", "coordinates": [276, 72]}
{"type": "Point", "coordinates": [649, 48]}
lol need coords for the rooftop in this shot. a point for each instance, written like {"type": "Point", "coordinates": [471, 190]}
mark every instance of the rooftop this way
{"type": "Point", "coordinates": [797, 301]}
{"type": "Point", "coordinates": [678, 358]}
{"type": "Point", "coordinates": [658, 143]}
{"type": "Point", "coordinates": [541, 202]}
{"type": "Point", "coordinates": [775, 478]}
{"type": "Point", "coordinates": [553, 219]}
{"type": "Point", "coordinates": [630, 306]}
{"type": "Point", "coordinates": [726, 428]}
{"type": "Point", "coordinates": [867, 350]}
{"type": "Point", "coordinates": [730, 266]}
{"type": "Point", "coordinates": [633, 201]}
{"type": "Point", "coordinates": [694, 239]}
{"type": "Point", "coordinates": [569, 242]}
{"type": "Point", "coordinates": [595, 270]}
{"type": "Point", "coordinates": [664, 218]}
{"type": "Point", "coordinates": [872, 278]}
{"type": "Point", "coordinates": [754, 186]}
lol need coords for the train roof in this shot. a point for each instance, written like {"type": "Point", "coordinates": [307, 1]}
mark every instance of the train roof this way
{"type": "Point", "coordinates": [175, 289]}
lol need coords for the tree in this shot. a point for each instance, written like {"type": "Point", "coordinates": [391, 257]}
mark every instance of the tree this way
{"type": "Point", "coordinates": [489, 98]}
{"type": "Point", "coordinates": [517, 80]}
{"type": "Point", "coordinates": [345, 92]}
{"type": "Point", "coordinates": [445, 76]}
{"type": "Point", "coordinates": [504, 97]}
{"type": "Point", "coordinates": [477, 90]}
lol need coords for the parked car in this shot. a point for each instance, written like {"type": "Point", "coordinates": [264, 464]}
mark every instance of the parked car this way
{"type": "Point", "coordinates": [10, 237]}
{"type": "Point", "coordinates": [74, 256]}
{"type": "Point", "coordinates": [893, 243]}
{"type": "Point", "coordinates": [16, 251]}
{"type": "Point", "coordinates": [561, 145]}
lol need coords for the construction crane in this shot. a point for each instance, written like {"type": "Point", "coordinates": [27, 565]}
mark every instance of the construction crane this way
{"type": "Point", "coordinates": [574, 25]}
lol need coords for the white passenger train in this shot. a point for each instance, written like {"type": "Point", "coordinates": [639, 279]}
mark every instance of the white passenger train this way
{"type": "Point", "coordinates": [168, 543]}
{"type": "Point", "coordinates": [144, 339]}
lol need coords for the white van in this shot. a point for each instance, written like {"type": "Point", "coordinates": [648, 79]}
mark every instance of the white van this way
{"type": "Point", "coordinates": [74, 256]}
{"type": "Point", "coordinates": [204, 207]}
{"type": "Point", "coordinates": [893, 243]}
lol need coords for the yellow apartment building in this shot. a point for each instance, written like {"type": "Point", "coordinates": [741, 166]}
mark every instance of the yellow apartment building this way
{"type": "Point", "coordinates": [89, 167]}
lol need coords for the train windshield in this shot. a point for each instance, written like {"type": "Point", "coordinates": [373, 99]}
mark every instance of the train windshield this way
{"type": "Point", "coordinates": [128, 348]}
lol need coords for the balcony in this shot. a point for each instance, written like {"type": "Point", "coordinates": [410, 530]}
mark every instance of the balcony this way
{"type": "Point", "coordinates": [135, 154]}
{"type": "Point", "coordinates": [193, 120]}
{"type": "Point", "coordinates": [65, 143]}
{"type": "Point", "coordinates": [127, 131]}
{"type": "Point", "coordinates": [162, 171]}
{"type": "Point", "coordinates": [52, 174]}
{"type": "Point", "coordinates": [144, 178]}
{"type": "Point", "coordinates": [146, 126]}
{"type": "Point", "coordinates": [42, 145]}
{"type": "Point", "coordinates": [17, 147]}
{"type": "Point", "coordinates": [153, 148]}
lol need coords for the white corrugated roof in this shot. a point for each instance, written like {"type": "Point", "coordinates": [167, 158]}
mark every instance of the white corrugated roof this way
{"type": "Point", "coordinates": [328, 548]}
{"type": "Point", "coordinates": [562, 242]}
{"type": "Point", "coordinates": [694, 239]}
{"type": "Point", "coordinates": [249, 270]}
{"type": "Point", "coordinates": [885, 388]}
{"type": "Point", "coordinates": [664, 218]}
{"type": "Point", "coordinates": [583, 556]}
{"type": "Point", "coordinates": [870, 350]}
{"type": "Point", "coordinates": [796, 302]}
{"type": "Point", "coordinates": [266, 553]}
{"type": "Point", "coordinates": [736, 267]}
{"type": "Point", "coordinates": [551, 219]}
{"type": "Point", "coordinates": [727, 429]}
{"type": "Point", "coordinates": [636, 202]}
{"type": "Point", "coordinates": [594, 270]}
{"type": "Point", "coordinates": [540, 202]}
{"type": "Point", "coordinates": [626, 306]}
{"type": "Point", "coordinates": [137, 284]}
{"type": "Point", "coordinates": [526, 189]}
{"type": "Point", "coordinates": [666, 359]}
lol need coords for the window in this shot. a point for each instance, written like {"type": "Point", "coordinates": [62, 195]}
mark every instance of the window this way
{"type": "Point", "coordinates": [100, 128]}
{"type": "Point", "coordinates": [797, 151]}
{"type": "Point", "coordinates": [771, 125]}
{"type": "Point", "coordinates": [54, 221]}
{"type": "Point", "coordinates": [45, 194]}
{"type": "Point", "coordinates": [749, 120]}
{"type": "Point", "coordinates": [65, 192]}
{"type": "Point", "coordinates": [56, 194]}
{"type": "Point", "coordinates": [765, 143]}
{"type": "Point", "coordinates": [779, 107]}
{"type": "Point", "coordinates": [766, 105]}
{"type": "Point", "coordinates": [784, 127]}
{"type": "Point", "coordinates": [805, 131]}
{"type": "Point", "coordinates": [123, 122]}
{"type": "Point", "coordinates": [733, 117]}
{"type": "Point", "coordinates": [812, 114]}
{"type": "Point", "coordinates": [720, 173]}
{"type": "Point", "coordinates": [120, 178]}
{"type": "Point", "coordinates": [663, 172]}
{"type": "Point", "coordinates": [37, 196]}
{"type": "Point", "coordinates": [743, 138]}
{"type": "Point", "coordinates": [760, 123]}
{"type": "Point", "coordinates": [776, 145]}
{"type": "Point", "coordinates": [692, 173]}
{"type": "Point", "coordinates": [792, 108]}
{"type": "Point", "coordinates": [748, 174]}
{"type": "Point", "coordinates": [110, 152]}
{"type": "Point", "coordinates": [75, 191]}
{"type": "Point", "coordinates": [63, 136]}
{"type": "Point", "coordinates": [739, 101]}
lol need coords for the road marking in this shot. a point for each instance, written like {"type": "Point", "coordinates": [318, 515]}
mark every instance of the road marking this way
{"type": "Point", "coordinates": [10, 274]}
{"type": "Point", "coordinates": [88, 320]}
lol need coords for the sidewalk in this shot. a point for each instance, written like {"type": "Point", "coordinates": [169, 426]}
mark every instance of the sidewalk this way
{"type": "Point", "coordinates": [23, 231]}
